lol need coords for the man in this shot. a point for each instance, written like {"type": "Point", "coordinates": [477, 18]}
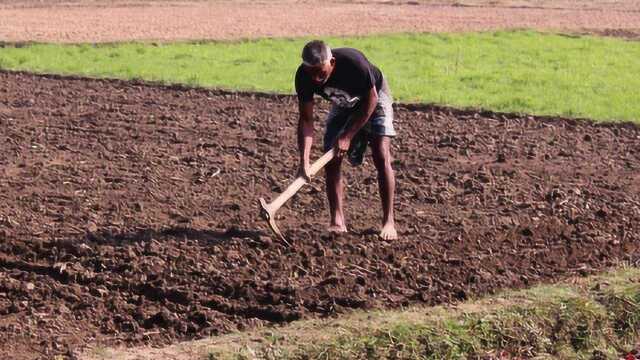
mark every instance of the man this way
{"type": "Point", "coordinates": [361, 113]}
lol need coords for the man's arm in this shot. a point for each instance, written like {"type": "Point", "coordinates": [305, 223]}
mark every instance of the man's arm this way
{"type": "Point", "coordinates": [359, 119]}
{"type": "Point", "coordinates": [305, 135]}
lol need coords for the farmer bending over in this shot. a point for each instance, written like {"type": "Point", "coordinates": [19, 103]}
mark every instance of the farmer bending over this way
{"type": "Point", "coordinates": [361, 113]}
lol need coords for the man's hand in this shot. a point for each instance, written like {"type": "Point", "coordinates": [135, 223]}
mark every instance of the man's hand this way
{"type": "Point", "coordinates": [342, 145]}
{"type": "Point", "coordinates": [303, 170]}
{"type": "Point", "coordinates": [362, 115]}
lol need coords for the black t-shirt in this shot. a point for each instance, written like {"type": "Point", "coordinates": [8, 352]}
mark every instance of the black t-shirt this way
{"type": "Point", "coordinates": [351, 80]}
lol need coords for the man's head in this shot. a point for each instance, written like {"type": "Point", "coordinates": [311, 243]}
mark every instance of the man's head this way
{"type": "Point", "coordinates": [318, 61]}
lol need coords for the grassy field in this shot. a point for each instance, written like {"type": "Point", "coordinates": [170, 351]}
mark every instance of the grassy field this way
{"type": "Point", "coordinates": [522, 71]}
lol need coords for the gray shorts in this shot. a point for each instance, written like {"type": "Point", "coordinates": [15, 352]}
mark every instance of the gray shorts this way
{"type": "Point", "coordinates": [380, 123]}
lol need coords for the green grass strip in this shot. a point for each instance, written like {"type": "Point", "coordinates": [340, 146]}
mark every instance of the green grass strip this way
{"type": "Point", "coordinates": [515, 71]}
{"type": "Point", "coordinates": [594, 318]}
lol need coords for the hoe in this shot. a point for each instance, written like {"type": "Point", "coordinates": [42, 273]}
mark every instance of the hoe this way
{"type": "Point", "coordinates": [268, 211]}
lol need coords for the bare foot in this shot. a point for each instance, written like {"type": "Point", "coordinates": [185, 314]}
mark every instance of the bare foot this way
{"type": "Point", "coordinates": [337, 229]}
{"type": "Point", "coordinates": [389, 232]}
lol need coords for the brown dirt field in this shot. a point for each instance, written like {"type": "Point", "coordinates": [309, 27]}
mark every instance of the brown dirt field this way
{"type": "Point", "coordinates": [101, 21]}
{"type": "Point", "coordinates": [128, 212]}
{"type": "Point", "coordinates": [128, 215]}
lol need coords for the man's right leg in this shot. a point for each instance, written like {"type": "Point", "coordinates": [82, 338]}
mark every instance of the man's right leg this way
{"type": "Point", "coordinates": [335, 189]}
{"type": "Point", "coordinates": [335, 193]}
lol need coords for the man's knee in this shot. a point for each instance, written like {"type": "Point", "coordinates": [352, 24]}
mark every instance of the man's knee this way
{"type": "Point", "coordinates": [381, 151]}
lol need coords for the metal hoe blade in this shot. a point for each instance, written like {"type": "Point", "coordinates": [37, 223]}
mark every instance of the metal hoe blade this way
{"type": "Point", "coordinates": [266, 215]}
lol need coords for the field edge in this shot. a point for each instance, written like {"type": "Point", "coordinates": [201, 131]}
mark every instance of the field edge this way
{"type": "Point", "coordinates": [594, 317]}
{"type": "Point", "coordinates": [274, 95]}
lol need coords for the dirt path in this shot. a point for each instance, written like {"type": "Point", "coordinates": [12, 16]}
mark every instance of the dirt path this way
{"type": "Point", "coordinates": [128, 212]}
{"type": "Point", "coordinates": [100, 21]}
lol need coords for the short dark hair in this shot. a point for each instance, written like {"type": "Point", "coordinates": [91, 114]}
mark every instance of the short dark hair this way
{"type": "Point", "coordinates": [316, 52]}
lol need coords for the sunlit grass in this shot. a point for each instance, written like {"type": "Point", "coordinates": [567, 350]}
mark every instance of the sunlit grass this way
{"type": "Point", "coordinates": [521, 71]}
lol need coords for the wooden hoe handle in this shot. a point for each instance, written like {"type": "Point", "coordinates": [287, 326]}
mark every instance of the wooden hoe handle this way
{"type": "Point", "coordinates": [299, 182]}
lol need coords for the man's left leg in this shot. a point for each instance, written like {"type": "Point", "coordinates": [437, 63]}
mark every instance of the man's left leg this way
{"type": "Point", "coordinates": [381, 151]}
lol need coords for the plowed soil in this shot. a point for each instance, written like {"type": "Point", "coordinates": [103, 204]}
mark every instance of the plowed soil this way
{"type": "Point", "coordinates": [128, 212]}
{"type": "Point", "coordinates": [73, 21]}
